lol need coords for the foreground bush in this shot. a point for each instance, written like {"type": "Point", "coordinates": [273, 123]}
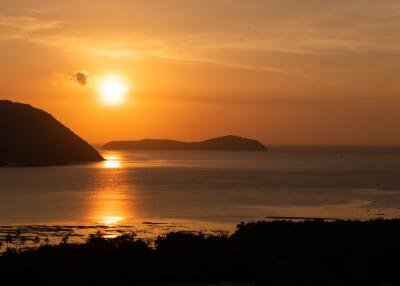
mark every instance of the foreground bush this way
{"type": "Point", "coordinates": [265, 253]}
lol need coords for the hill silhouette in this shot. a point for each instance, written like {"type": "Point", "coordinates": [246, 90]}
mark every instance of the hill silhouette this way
{"type": "Point", "coordinates": [32, 137]}
{"type": "Point", "coordinates": [224, 143]}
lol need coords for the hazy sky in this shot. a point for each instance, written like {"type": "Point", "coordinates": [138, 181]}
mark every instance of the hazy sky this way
{"type": "Point", "coordinates": [282, 71]}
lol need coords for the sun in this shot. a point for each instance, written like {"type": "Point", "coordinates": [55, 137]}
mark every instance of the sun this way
{"type": "Point", "coordinates": [112, 90]}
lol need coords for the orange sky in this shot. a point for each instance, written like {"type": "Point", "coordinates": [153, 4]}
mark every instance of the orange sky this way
{"type": "Point", "coordinates": [282, 71]}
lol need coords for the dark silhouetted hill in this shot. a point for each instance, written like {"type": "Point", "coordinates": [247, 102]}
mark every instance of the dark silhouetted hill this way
{"type": "Point", "coordinates": [32, 137]}
{"type": "Point", "coordinates": [224, 143]}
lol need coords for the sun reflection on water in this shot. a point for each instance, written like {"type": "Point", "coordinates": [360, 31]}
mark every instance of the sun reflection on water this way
{"type": "Point", "coordinates": [111, 220]}
{"type": "Point", "coordinates": [112, 162]}
{"type": "Point", "coordinates": [111, 204]}
{"type": "Point", "coordinates": [111, 207]}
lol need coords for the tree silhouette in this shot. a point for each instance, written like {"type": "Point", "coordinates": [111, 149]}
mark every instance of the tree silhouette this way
{"type": "Point", "coordinates": [65, 238]}
{"type": "Point", "coordinates": [36, 240]}
{"type": "Point", "coordinates": [98, 235]}
{"type": "Point", "coordinates": [22, 240]}
{"type": "Point", "coordinates": [8, 239]}
{"type": "Point", "coordinates": [17, 237]}
{"type": "Point", "coordinates": [311, 252]}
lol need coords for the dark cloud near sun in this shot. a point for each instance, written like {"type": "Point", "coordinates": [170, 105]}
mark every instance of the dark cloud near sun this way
{"type": "Point", "coordinates": [81, 78]}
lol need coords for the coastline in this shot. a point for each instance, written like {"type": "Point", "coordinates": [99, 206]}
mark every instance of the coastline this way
{"type": "Point", "coordinates": [258, 253]}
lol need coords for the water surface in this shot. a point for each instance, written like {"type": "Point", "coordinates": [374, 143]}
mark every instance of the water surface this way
{"type": "Point", "coordinates": [209, 191]}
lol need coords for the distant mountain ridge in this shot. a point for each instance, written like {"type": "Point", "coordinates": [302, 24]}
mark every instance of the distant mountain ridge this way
{"type": "Point", "coordinates": [224, 143]}
{"type": "Point", "coordinates": [32, 137]}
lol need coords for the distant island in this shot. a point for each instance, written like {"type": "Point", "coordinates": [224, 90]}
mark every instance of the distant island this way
{"type": "Point", "coordinates": [32, 137]}
{"type": "Point", "coordinates": [224, 143]}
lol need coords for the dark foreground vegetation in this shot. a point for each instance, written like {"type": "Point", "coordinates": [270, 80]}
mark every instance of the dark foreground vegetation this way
{"type": "Point", "coordinates": [312, 252]}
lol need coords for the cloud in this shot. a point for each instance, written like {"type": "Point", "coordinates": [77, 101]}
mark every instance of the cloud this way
{"type": "Point", "coordinates": [253, 36]}
{"type": "Point", "coordinates": [26, 24]}
{"type": "Point", "coordinates": [81, 78]}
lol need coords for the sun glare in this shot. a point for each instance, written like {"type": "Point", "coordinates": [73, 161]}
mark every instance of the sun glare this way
{"type": "Point", "coordinates": [112, 90]}
{"type": "Point", "coordinates": [112, 162]}
{"type": "Point", "coordinates": [111, 220]}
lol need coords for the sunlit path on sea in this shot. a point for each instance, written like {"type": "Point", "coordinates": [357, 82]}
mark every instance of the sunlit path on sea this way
{"type": "Point", "coordinates": [113, 203]}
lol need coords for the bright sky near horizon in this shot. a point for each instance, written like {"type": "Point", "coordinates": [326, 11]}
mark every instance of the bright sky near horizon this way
{"type": "Point", "coordinates": [282, 71]}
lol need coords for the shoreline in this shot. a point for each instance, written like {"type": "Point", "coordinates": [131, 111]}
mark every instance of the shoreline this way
{"type": "Point", "coordinates": [313, 252]}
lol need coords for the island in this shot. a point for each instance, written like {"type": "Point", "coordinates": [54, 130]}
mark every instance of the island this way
{"type": "Point", "coordinates": [224, 143]}
{"type": "Point", "coordinates": [32, 137]}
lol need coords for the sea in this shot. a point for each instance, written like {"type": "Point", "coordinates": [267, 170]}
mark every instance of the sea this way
{"type": "Point", "coordinates": [155, 192]}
